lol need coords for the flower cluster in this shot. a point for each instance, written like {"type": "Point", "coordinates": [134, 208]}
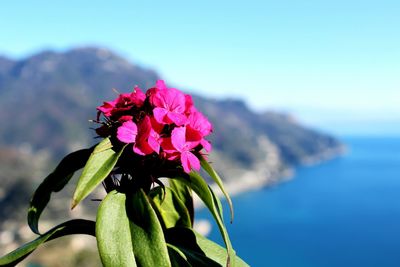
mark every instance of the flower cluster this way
{"type": "Point", "coordinates": [162, 121]}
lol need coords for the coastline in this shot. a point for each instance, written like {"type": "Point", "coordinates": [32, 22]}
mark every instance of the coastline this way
{"type": "Point", "coordinates": [251, 180]}
{"type": "Point", "coordinates": [256, 180]}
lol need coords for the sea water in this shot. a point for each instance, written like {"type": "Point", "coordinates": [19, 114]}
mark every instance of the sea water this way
{"type": "Point", "coordinates": [344, 212]}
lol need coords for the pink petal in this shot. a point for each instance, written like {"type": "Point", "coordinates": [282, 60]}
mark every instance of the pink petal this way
{"type": "Point", "coordinates": [200, 123]}
{"type": "Point", "coordinates": [175, 100]}
{"type": "Point", "coordinates": [107, 107]}
{"type": "Point", "coordinates": [125, 118]}
{"type": "Point", "coordinates": [158, 99]}
{"type": "Point", "coordinates": [167, 146]}
{"type": "Point", "coordinates": [206, 145]}
{"type": "Point", "coordinates": [154, 143]}
{"type": "Point", "coordinates": [192, 134]}
{"type": "Point", "coordinates": [151, 94]}
{"type": "Point", "coordinates": [157, 127]}
{"type": "Point", "coordinates": [144, 128]}
{"type": "Point", "coordinates": [169, 150]}
{"type": "Point", "coordinates": [178, 138]}
{"type": "Point", "coordinates": [189, 161]}
{"type": "Point", "coordinates": [178, 119]}
{"type": "Point", "coordinates": [138, 97]}
{"type": "Point", "coordinates": [189, 105]}
{"type": "Point", "coordinates": [194, 161]}
{"type": "Point", "coordinates": [127, 132]}
{"type": "Point", "coordinates": [159, 114]}
{"type": "Point", "coordinates": [142, 148]}
{"type": "Point", "coordinates": [160, 84]}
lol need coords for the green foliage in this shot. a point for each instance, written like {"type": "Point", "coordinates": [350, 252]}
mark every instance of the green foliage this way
{"type": "Point", "coordinates": [184, 193]}
{"type": "Point", "coordinates": [200, 187]}
{"type": "Point", "coordinates": [214, 175]}
{"type": "Point", "coordinates": [98, 167]}
{"type": "Point", "coordinates": [170, 208]}
{"type": "Point", "coordinates": [194, 243]}
{"type": "Point", "coordinates": [54, 182]}
{"type": "Point", "coordinates": [114, 240]}
{"type": "Point", "coordinates": [135, 225]}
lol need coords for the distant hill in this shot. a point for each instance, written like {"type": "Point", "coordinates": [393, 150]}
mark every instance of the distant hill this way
{"type": "Point", "coordinates": [46, 101]}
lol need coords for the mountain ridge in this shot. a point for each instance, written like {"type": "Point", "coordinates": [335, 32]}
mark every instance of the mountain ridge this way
{"type": "Point", "coordinates": [47, 100]}
{"type": "Point", "coordinates": [59, 87]}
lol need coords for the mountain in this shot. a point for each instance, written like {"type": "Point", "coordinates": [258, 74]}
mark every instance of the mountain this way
{"type": "Point", "coordinates": [47, 100]}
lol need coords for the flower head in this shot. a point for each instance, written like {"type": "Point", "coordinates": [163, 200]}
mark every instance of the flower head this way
{"type": "Point", "coordinates": [163, 124]}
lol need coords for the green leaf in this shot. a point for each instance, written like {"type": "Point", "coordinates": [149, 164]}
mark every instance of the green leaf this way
{"type": "Point", "coordinates": [170, 208]}
{"type": "Point", "coordinates": [114, 239]}
{"type": "Point", "coordinates": [67, 228]}
{"type": "Point", "coordinates": [54, 182]}
{"type": "Point", "coordinates": [192, 243]}
{"type": "Point", "coordinates": [200, 187]}
{"type": "Point", "coordinates": [198, 259]}
{"type": "Point", "coordinates": [148, 239]}
{"type": "Point", "coordinates": [187, 257]}
{"type": "Point", "coordinates": [185, 195]}
{"type": "Point", "coordinates": [217, 179]}
{"type": "Point", "coordinates": [98, 167]}
{"type": "Point", "coordinates": [178, 258]}
{"type": "Point", "coordinates": [129, 233]}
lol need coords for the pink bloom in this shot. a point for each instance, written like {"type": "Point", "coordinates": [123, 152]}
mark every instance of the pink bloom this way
{"type": "Point", "coordinates": [170, 105]}
{"type": "Point", "coordinates": [147, 140]}
{"type": "Point", "coordinates": [183, 147]}
{"type": "Point", "coordinates": [154, 139]}
{"type": "Point", "coordinates": [138, 97]}
{"type": "Point", "coordinates": [106, 108]}
{"type": "Point", "coordinates": [160, 85]}
{"type": "Point", "coordinates": [141, 146]}
{"type": "Point", "coordinates": [125, 118]}
{"type": "Point", "coordinates": [163, 121]}
{"type": "Point", "coordinates": [198, 128]}
{"type": "Point", "coordinates": [124, 102]}
{"type": "Point", "coordinates": [206, 145]}
{"type": "Point", "coordinates": [199, 123]}
{"type": "Point", "coordinates": [169, 151]}
{"type": "Point", "coordinates": [127, 132]}
{"type": "Point", "coordinates": [189, 105]}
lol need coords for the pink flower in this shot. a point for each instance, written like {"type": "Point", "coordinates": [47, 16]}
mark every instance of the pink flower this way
{"type": "Point", "coordinates": [198, 128]}
{"type": "Point", "coordinates": [124, 102]}
{"type": "Point", "coordinates": [125, 118]}
{"type": "Point", "coordinates": [127, 132]}
{"type": "Point", "coordinates": [189, 105]}
{"type": "Point", "coordinates": [138, 97]}
{"type": "Point", "coordinates": [170, 105]}
{"type": "Point", "coordinates": [183, 148]}
{"type": "Point", "coordinates": [160, 85]}
{"type": "Point", "coordinates": [199, 123]}
{"type": "Point", "coordinates": [106, 108]}
{"type": "Point", "coordinates": [154, 139]}
{"type": "Point", "coordinates": [163, 121]}
{"type": "Point", "coordinates": [147, 140]}
{"type": "Point", "coordinates": [168, 150]}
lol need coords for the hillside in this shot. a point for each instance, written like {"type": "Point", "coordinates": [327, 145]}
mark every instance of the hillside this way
{"type": "Point", "coordinates": [47, 100]}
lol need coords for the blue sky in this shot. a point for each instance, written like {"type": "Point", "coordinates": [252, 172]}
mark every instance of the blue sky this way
{"type": "Point", "coordinates": [335, 64]}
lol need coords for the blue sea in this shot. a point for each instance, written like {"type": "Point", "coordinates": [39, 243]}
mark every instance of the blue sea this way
{"type": "Point", "coordinates": [344, 212]}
